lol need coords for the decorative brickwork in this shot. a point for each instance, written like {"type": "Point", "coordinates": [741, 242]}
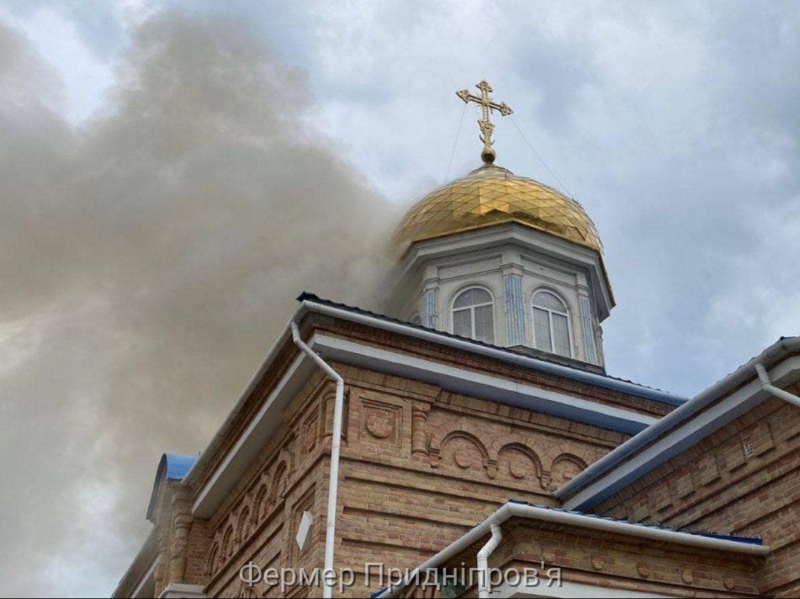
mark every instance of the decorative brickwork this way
{"type": "Point", "coordinates": [612, 562]}
{"type": "Point", "coordinates": [420, 466]}
{"type": "Point", "coordinates": [742, 480]}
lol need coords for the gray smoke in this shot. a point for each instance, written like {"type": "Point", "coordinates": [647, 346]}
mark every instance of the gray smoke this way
{"type": "Point", "coordinates": [147, 262]}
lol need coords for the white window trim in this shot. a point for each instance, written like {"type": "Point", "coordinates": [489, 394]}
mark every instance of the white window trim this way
{"type": "Point", "coordinates": [471, 309]}
{"type": "Point", "coordinates": [550, 313]}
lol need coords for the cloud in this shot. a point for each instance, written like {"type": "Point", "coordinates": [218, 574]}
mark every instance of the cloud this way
{"type": "Point", "coordinates": [149, 258]}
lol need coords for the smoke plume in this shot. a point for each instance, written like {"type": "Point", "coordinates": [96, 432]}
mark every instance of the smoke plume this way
{"type": "Point", "coordinates": [147, 261]}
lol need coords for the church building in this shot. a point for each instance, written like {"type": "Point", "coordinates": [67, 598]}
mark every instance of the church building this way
{"type": "Point", "coordinates": [470, 442]}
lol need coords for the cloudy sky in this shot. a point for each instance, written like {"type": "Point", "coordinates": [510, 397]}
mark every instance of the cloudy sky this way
{"type": "Point", "coordinates": [172, 174]}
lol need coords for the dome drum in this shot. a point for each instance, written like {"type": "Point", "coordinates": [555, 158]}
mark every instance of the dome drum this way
{"type": "Point", "coordinates": [510, 236]}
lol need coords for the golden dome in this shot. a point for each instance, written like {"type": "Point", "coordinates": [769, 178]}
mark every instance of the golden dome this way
{"type": "Point", "coordinates": [491, 195]}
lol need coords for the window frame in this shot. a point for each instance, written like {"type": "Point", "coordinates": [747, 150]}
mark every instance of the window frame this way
{"type": "Point", "coordinates": [471, 310]}
{"type": "Point", "coordinates": [550, 313]}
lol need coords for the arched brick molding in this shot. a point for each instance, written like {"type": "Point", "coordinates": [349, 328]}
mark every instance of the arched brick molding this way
{"type": "Point", "coordinates": [463, 448]}
{"type": "Point", "coordinates": [520, 462]}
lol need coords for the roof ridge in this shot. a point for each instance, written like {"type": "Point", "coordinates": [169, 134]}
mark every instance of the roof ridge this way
{"type": "Point", "coordinates": [308, 296]}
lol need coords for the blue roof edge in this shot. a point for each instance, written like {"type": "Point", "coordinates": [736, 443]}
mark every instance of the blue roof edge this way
{"type": "Point", "coordinates": [177, 465]}
{"type": "Point", "coordinates": [171, 466]}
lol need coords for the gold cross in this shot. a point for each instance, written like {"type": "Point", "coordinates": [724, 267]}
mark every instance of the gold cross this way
{"type": "Point", "coordinates": [485, 123]}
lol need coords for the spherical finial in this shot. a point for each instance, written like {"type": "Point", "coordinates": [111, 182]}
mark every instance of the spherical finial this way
{"type": "Point", "coordinates": [488, 155]}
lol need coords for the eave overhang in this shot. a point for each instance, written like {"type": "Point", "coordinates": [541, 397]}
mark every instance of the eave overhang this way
{"type": "Point", "coordinates": [703, 415]}
{"type": "Point", "coordinates": [140, 575]}
{"type": "Point", "coordinates": [545, 514]}
{"type": "Point", "coordinates": [215, 479]}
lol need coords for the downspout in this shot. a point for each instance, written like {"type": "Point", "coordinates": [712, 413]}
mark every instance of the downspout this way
{"type": "Point", "coordinates": [338, 409]}
{"type": "Point", "coordinates": [484, 584]}
{"type": "Point", "coordinates": [767, 385]}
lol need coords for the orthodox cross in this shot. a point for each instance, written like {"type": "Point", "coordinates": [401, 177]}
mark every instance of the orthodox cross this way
{"type": "Point", "coordinates": [485, 123]}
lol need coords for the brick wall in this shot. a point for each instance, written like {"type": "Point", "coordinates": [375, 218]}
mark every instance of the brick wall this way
{"type": "Point", "coordinates": [610, 561]}
{"type": "Point", "coordinates": [419, 467]}
{"type": "Point", "coordinates": [259, 519]}
{"type": "Point", "coordinates": [743, 480]}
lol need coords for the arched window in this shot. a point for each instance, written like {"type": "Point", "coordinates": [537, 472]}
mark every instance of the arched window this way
{"type": "Point", "coordinates": [473, 315]}
{"type": "Point", "coordinates": [551, 324]}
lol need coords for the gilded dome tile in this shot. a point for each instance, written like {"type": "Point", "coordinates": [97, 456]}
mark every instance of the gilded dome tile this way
{"type": "Point", "coordinates": [491, 195]}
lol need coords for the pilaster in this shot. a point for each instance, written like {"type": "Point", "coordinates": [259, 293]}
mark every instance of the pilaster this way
{"type": "Point", "coordinates": [514, 309]}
